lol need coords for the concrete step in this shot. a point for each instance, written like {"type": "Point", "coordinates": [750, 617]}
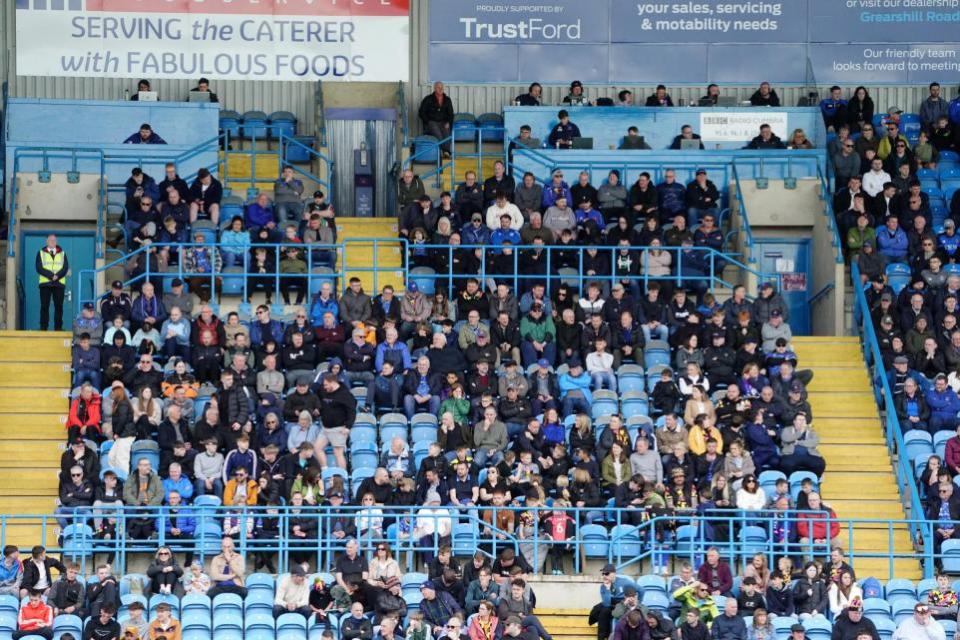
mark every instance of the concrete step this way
{"type": "Point", "coordinates": [860, 451]}
{"type": "Point", "coordinates": [34, 346]}
{"type": "Point", "coordinates": [867, 508]}
{"type": "Point", "coordinates": [42, 426]}
{"type": "Point", "coordinates": [843, 404]}
{"type": "Point", "coordinates": [32, 452]}
{"type": "Point", "coordinates": [839, 379]}
{"type": "Point", "coordinates": [54, 400]}
{"type": "Point", "coordinates": [35, 374]}
{"type": "Point", "coordinates": [29, 481]}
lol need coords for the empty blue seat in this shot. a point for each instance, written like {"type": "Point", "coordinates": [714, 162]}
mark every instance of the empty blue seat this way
{"type": "Point", "coordinates": [254, 125]}
{"type": "Point", "coordinates": [282, 123]}
{"type": "Point", "coordinates": [595, 540]}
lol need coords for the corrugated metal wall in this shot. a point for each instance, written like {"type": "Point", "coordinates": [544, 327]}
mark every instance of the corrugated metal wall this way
{"type": "Point", "coordinates": [343, 136]}
{"type": "Point", "coordinates": [299, 97]}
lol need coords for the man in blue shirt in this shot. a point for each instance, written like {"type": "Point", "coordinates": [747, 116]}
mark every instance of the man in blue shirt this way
{"type": "Point", "coordinates": [505, 233]}
{"type": "Point", "coordinates": [834, 109]}
{"type": "Point", "coordinates": [562, 135]}
{"type": "Point", "coordinates": [611, 594]}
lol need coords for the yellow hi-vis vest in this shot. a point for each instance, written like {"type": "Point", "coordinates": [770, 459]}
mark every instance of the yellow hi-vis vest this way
{"type": "Point", "coordinates": [53, 263]}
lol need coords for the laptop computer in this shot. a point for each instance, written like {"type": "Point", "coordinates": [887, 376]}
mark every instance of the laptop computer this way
{"type": "Point", "coordinates": [198, 96]}
{"type": "Point", "coordinates": [582, 143]}
{"type": "Point", "coordinates": [633, 142]}
{"type": "Point", "coordinates": [704, 102]}
{"type": "Point", "coordinates": [686, 145]}
{"type": "Point", "coordinates": [726, 101]}
{"type": "Point", "coordinates": [147, 96]}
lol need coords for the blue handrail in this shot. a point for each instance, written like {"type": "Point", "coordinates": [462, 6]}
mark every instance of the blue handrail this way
{"type": "Point", "coordinates": [711, 279]}
{"type": "Point", "coordinates": [827, 196]}
{"type": "Point", "coordinates": [621, 542]}
{"type": "Point", "coordinates": [478, 133]}
{"type": "Point", "coordinates": [903, 467]}
{"type": "Point", "coordinates": [286, 143]}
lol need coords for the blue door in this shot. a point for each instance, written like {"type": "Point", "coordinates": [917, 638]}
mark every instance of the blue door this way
{"type": "Point", "coordinates": [789, 259]}
{"type": "Point", "coordinates": [79, 247]}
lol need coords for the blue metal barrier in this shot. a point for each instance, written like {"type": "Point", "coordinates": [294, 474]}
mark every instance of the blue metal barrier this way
{"type": "Point", "coordinates": [905, 474]}
{"type": "Point", "coordinates": [477, 132]}
{"type": "Point", "coordinates": [627, 537]}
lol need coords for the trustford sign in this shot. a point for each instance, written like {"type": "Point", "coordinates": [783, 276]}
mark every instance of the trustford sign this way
{"type": "Point", "coordinates": [696, 41]}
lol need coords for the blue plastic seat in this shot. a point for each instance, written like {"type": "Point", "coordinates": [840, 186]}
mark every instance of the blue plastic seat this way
{"type": "Point", "coordinates": [951, 556]}
{"type": "Point", "coordinates": [464, 127]}
{"type": "Point", "coordinates": [900, 588]}
{"type": "Point", "coordinates": [918, 442]}
{"type": "Point", "coordinates": [596, 542]}
{"type": "Point", "coordinates": [426, 150]}
{"type": "Point", "coordinates": [625, 541]}
{"type": "Point", "coordinates": [254, 125]}
{"type": "Point", "coordinates": [226, 604]}
{"type": "Point", "coordinates": [282, 122]}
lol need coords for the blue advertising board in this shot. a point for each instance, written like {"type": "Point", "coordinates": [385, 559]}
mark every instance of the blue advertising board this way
{"type": "Point", "coordinates": [695, 41]}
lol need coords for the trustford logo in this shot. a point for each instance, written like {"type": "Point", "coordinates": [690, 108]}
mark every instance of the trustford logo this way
{"type": "Point", "coordinates": [531, 29]}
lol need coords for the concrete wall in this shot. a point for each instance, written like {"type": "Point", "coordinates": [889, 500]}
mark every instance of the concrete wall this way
{"type": "Point", "coordinates": [58, 198]}
{"type": "Point", "coordinates": [778, 206]}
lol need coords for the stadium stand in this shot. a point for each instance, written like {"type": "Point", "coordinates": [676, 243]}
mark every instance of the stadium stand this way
{"type": "Point", "coordinates": [559, 362]}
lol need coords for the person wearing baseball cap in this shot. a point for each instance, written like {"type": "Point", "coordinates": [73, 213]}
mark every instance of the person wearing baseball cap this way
{"type": "Point", "coordinates": [116, 304]}
{"type": "Point", "coordinates": [850, 623]}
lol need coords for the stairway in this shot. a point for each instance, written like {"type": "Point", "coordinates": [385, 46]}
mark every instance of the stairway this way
{"type": "Point", "coordinates": [567, 624]}
{"type": "Point", "coordinates": [357, 235]}
{"type": "Point", "coordinates": [449, 179]}
{"type": "Point", "coordinates": [34, 385]}
{"type": "Point", "coordinates": [238, 168]}
{"type": "Point", "coordinates": [859, 481]}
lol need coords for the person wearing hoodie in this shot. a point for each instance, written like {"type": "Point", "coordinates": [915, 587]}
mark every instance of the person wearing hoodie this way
{"type": "Point", "coordinates": [11, 571]}
{"type": "Point", "coordinates": [575, 395]}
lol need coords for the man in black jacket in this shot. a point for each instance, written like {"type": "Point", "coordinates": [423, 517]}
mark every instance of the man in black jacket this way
{"type": "Point", "coordinates": [36, 572]}
{"type": "Point", "coordinates": [436, 114]}
{"type": "Point", "coordinates": [338, 411]}
{"type": "Point", "coordinates": [234, 409]}
{"type": "Point", "coordinates": [102, 626]}
{"type": "Point", "coordinates": [850, 623]}
{"type": "Point", "coordinates": [766, 140]}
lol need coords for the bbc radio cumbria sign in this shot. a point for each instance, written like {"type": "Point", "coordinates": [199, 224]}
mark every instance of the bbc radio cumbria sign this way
{"type": "Point", "coordinates": [695, 41]}
{"type": "Point", "coordinates": [338, 40]}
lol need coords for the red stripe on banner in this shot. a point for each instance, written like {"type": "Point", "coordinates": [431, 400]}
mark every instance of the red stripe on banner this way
{"type": "Point", "coordinates": [332, 8]}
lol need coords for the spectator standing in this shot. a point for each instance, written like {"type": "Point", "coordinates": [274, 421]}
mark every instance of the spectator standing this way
{"type": "Point", "coordinates": [436, 114]}
{"type": "Point", "coordinates": [52, 266]}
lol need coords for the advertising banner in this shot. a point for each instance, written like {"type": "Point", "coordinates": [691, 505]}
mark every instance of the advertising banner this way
{"type": "Point", "coordinates": [737, 126]}
{"type": "Point", "coordinates": [331, 40]}
{"type": "Point", "coordinates": [695, 41]}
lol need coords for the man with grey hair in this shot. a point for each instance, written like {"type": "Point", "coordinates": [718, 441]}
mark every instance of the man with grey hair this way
{"type": "Point", "coordinates": [358, 357]}
{"type": "Point", "coordinates": [421, 386]}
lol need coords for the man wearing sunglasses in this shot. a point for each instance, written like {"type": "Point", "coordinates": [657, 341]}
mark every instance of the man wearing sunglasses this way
{"type": "Point", "coordinates": [889, 143]}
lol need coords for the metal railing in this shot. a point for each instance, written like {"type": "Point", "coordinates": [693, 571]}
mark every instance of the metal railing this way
{"type": "Point", "coordinates": [711, 261]}
{"type": "Point", "coordinates": [626, 537]}
{"type": "Point", "coordinates": [477, 134]}
{"type": "Point", "coordinates": [320, 268]}
{"type": "Point", "coordinates": [903, 466]}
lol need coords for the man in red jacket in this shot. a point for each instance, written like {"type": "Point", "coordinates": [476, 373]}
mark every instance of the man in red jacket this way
{"type": "Point", "coordinates": [35, 618]}
{"type": "Point", "coordinates": [715, 573]}
{"type": "Point", "coordinates": [812, 525]}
